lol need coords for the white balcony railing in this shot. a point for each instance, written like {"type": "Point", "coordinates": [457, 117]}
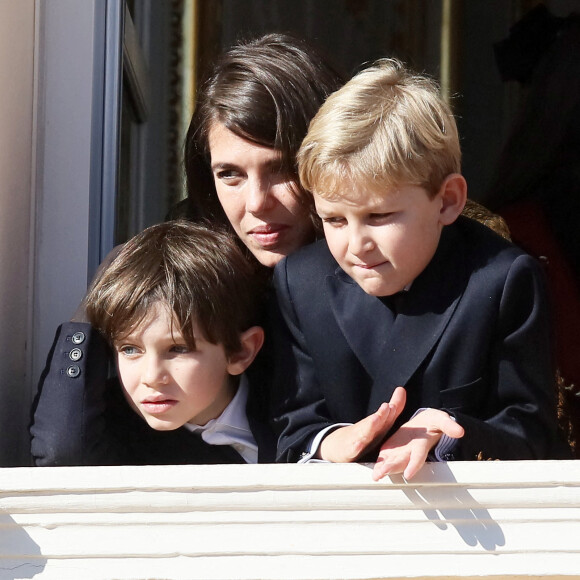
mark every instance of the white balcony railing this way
{"type": "Point", "coordinates": [320, 521]}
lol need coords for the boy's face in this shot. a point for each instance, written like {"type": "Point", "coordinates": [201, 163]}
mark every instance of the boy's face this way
{"type": "Point", "coordinates": [383, 240]}
{"type": "Point", "coordinates": [165, 381]}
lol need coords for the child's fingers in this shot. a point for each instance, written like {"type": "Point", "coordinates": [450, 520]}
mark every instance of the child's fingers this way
{"type": "Point", "coordinates": [406, 451]}
{"type": "Point", "coordinates": [389, 463]}
{"type": "Point", "coordinates": [452, 429]}
{"type": "Point", "coordinates": [379, 471]}
{"type": "Point", "coordinates": [386, 415]}
{"type": "Point", "coordinates": [379, 422]}
{"type": "Point", "coordinates": [437, 422]}
{"type": "Point", "coordinates": [398, 399]}
{"type": "Point", "coordinates": [416, 461]}
{"type": "Point", "coordinates": [349, 443]}
{"type": "Point", "coordinates": [407, 461]}
{"type": "Point", "coordinates": [372, 429]}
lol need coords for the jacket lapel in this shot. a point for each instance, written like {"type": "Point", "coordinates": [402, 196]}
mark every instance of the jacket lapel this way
{"type": "Point", "coordinates": [392, 350]}
{"type": "Point", "coordinates": [353, 309]}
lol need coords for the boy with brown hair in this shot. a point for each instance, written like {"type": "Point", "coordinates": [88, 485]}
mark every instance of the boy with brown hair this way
{"type": "Point", "coordinates": [405, 292]}
{"type": "Point", "coordinates": [178, 306]}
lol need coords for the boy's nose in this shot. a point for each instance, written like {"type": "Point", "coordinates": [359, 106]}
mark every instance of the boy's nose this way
{"type": "Point", "coordinates": [359, 242]}
{"type": "Point", "coordinates": [154, 372]}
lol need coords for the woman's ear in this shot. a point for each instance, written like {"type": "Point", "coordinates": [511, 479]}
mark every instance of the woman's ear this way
{"type": "Point", "coordinates": [252, 341]}
{"type": "Point", "coordinates": [453, 195]}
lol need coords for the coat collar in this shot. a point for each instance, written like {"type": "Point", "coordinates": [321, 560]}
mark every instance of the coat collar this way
{"type": "Point", "coordinates": [392, 350]}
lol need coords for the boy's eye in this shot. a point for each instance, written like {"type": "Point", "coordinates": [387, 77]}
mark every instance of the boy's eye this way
{"type": "Point", "coordinates": [380, 217]}
{"type": "Point", "coordinates": [333, 221]}
{"type": "Point", "coordinates": [180, 349]}
{"type": "Point", "coordinates": [127, 349]}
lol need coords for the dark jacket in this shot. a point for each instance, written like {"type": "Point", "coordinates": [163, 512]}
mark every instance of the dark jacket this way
{"type": "Point", "coordinates": [471, 337]}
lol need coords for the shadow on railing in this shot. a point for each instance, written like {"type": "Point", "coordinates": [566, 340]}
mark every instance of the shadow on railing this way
{"type": "Point", "coordinates": [458, 509]}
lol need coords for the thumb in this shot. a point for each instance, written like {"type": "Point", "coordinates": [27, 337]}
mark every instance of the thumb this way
{"type": "Point", "coordinates": [398, 399]}
{"type": "Point", "coordinates": [452, 429]}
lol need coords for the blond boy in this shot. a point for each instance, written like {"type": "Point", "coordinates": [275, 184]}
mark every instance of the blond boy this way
{"type": "Point", "coordinates": [405, 292]}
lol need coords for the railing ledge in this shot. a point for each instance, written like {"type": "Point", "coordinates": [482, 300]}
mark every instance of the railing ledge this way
{"type": "Point", "coordinates": [463, 520]}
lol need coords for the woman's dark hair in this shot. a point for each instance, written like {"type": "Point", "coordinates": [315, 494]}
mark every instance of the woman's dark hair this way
{"type": "Point", "coordinates": [265, 91]}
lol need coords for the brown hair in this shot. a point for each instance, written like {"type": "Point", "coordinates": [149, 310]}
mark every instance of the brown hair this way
{"type": "Point", "coordinates": [201, 275]}
{"type": "Point", "coordinates": [265, 91]}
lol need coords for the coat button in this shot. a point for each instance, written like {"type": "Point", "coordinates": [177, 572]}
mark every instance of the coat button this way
{"type": "Point", "coordinates": [75, 354]}
{"type": "Point", "coordinates": [78, 337]}
{"type": "Point", "coordinates": [73, 371]}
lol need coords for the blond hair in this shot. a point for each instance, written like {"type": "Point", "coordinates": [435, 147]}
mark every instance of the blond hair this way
{"type": "Point", "coordinates": [387, 126]}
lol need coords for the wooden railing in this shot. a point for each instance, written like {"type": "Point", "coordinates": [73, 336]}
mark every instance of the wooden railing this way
{"type": "Point", "coordinates": [319, 521]}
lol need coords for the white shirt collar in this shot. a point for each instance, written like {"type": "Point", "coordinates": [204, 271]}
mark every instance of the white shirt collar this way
{"type": "Point", "coordinates": [231, 427]}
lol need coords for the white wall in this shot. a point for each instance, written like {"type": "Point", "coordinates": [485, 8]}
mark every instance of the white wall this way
{"type": "Point", "coordinates": [65, 108]}
{"type": "Point", "coordinates": [16, 201]}
{"type": "Point", "coordinates": [51, 149]}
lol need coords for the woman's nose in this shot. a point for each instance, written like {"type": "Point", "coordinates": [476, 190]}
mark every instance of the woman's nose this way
{"type": "Point", "coordinates": [259, 195]}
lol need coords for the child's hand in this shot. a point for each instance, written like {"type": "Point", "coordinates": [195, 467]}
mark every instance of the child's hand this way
{"type": "Point", "coordinates": [347, 444]}
{"type": "Point", "coordinates": [407, 449]}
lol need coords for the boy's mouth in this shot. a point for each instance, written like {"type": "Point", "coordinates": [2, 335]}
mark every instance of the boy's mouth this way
{"type": "Point", "coordinates": [371, 266]}
{"type": "Point", "coordinates": [158, 406]}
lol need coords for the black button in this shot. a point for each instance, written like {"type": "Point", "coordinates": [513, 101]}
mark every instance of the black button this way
{"type": "Point", "coordinates": [73, 371]}
{"type": "Point", "coordinates": [78, 337]}
{"type": "Point", "coordinates": [75, 354]}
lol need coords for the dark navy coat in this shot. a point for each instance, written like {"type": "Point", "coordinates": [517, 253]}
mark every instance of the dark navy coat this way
{"type": "Point", "coordinates": [471, 337]}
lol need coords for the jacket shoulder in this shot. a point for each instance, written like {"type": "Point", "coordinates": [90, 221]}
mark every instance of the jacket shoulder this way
{"type": "Point", "coordinates": [307, 267]}
{"type": "Point", "coordinates": [483, 245]}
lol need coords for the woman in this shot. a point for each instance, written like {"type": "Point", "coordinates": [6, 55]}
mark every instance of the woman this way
{"type": "Point", "coordinates": [250, 118]}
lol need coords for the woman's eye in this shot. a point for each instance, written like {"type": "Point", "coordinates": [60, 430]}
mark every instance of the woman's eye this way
{"type": "Point", "coordinates": [278, 176]}
{"type": "Point", "coordinates": [228, 176]}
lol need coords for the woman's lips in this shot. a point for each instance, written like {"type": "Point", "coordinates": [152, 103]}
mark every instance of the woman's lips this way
{"type": "Point", "coordinates": [268, 235]}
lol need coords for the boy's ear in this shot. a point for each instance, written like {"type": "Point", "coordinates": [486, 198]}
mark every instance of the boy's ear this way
{"type": "Point", "coordinates": [453, 195]}
{"type": "Point", "coordinates": [252, 341]}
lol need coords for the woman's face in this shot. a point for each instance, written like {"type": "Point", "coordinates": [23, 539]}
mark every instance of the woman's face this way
{"type": "Point", "coordinates": [257, 198]}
